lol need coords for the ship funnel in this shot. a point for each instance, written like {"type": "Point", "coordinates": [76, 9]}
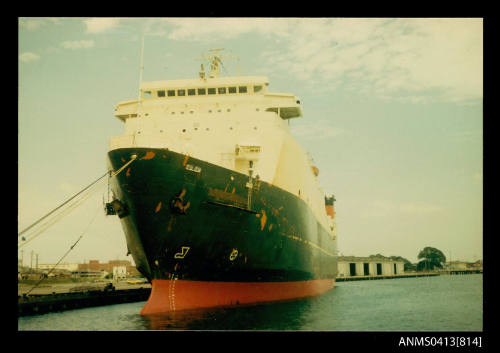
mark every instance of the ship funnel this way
{"type": "Point", "coordinates": [330, 210]}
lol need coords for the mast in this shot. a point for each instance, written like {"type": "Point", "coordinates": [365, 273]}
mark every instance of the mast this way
{"type": "Point", "coordinates": [142, 66]}
{"type": "Point", "coordinates": [215, 60]}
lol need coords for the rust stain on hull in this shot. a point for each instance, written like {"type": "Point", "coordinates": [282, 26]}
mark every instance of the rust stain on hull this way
{"type": "Point", "coordinates": [226, 197]}
{"type": "Point", "coordinates": [185, 160]}
{"type": "Point", "coordinates": [170, 222]}
{"type": "Point", "coordinates": [149, 155]}
{"type": "Point", "coordinates": [263, 220]}
{"type": "Point", "coordinates": [158, 207]}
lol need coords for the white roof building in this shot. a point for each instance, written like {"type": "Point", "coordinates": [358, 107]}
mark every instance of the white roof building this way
{"type": "Point", "coordinates": [350, 266]}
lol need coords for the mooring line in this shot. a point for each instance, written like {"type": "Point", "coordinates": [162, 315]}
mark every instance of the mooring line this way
{"type": "Point", "coordinates": [58, 207]}
{"type": "Point", "coordinates": [67, 252]}
{"type": "Point", "coordinates": [71, 207]}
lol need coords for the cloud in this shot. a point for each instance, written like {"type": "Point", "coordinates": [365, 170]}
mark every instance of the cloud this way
{"type": "Point", "coordinates": [400, 59]}
{"type": "Point", "coordinates": [32, 24]}
{"type": "Point", "coordinates": [412, 59]}
{"type": "Point", "coordinates": [27, 57]}
{"type": "Point", "coordinates": [223, 28]}
{"type": "Point", "coordinates": [78, 44]}
{"type": "Point", "coordinates": [100, 24]}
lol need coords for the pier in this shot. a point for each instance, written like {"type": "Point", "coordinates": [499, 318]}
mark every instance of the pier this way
{"type": "Point", "coordinates": [51, 299]}
{"type": "Point", "coordinates": [461, 271]}
{"type": "Point", "coordinates": [375, 277]}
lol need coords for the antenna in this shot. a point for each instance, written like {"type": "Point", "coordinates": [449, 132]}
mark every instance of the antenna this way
{"type": "Point", "coordinates": [215, 61]}
{"type": "Point", "coordinates": [141, 68]}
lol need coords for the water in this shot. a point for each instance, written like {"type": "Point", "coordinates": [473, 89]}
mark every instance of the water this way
{"type": "Point", "coordinates": [441, 303]}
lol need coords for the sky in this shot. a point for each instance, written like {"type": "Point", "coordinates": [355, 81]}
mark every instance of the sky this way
{"type": "Point", "coordinates": [393, 119]}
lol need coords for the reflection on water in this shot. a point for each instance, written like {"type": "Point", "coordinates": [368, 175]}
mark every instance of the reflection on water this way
{"type": "Point", "coordinates": [288, 315]}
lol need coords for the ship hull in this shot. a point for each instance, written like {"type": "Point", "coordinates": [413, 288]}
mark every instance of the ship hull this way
{"type": "Point", "coordinates": [204, 238]}
{"type": "Point", "coordinates": [175, 295]}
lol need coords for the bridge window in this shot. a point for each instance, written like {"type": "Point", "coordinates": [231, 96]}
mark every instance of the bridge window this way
{"type": "Point", "coordinates": [181, 92]}
{"type": "Point", "coordinates": [242, 89]}
{"type": "Point", "coordinates": [222, 90]}
{"type": "Point", "coordinates": [257, 89]}
{"type": "Point", "coordinates": [232, 89]}
{"type": "Point", "coordinates": [202, 91]}
{"type": "Point", "coordinates": [211, 91]}
{"type": "Point", "coordinates": [171, 93]}
{"type": "Point", "coordinates": [161, 93]}
{"type": "Point", "coordinates": [147, 94]}
{"type": "Point", "coordinates": [191, 92]}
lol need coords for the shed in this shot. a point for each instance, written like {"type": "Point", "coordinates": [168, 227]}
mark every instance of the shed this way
{"type": "Point", "coordinates": [350, 266]}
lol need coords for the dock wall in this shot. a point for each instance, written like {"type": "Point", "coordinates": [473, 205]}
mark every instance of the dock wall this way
{"type": "Point", "coordinates": [44, 303]}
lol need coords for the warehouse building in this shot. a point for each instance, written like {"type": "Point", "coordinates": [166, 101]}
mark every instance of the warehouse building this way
{"type": "Point", "coordinates": [350, 266]}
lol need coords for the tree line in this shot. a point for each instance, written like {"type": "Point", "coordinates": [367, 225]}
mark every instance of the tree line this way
{"type": "Point", "coordinates": [430, 259]}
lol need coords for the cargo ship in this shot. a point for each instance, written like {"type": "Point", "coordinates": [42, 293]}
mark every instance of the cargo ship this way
{"type": "Point", "coordinates": [219, 204]}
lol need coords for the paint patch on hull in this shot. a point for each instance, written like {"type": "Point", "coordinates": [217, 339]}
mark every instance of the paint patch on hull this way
{"type": "Point", "coordinates": [175, 295]}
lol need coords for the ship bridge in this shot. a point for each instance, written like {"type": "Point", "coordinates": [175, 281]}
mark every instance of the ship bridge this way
{"type": "Point", "coordinates": [161, 98]}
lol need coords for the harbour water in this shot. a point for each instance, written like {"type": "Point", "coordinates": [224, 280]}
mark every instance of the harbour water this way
{"type": "Point", "coordinates": [441, 303]}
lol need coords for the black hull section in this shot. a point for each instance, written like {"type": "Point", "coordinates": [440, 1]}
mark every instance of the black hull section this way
{"type": "Point", "coordinates": [188, 219]}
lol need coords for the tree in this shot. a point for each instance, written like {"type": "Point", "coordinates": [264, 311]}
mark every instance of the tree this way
{"type": "Point", "coordinates": [408, 266]}
{"type": "Point", "coordinates": [431, 258]}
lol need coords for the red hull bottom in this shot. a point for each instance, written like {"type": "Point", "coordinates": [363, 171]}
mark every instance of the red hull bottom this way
{"type": "Point", "coordinates": [174, 295]}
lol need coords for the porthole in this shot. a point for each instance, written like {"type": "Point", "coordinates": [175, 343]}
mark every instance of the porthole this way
{"type": "Point", "coordinates": [255, 127]}
{"type": "Point", "coordinates": [183, 130]}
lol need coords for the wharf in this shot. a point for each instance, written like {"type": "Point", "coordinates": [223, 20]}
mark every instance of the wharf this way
{"type": "Point", "coordinates": [54, 299]}
{"type": "Point", "coordinates": [461, 272]}
{"type": "Point", "coordinates": [375, 277]}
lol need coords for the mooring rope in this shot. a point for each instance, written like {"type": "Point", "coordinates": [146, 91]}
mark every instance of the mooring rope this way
{"type": "Point", "coordinates": [43, 227]}
{"type": "Point", "coordinates": [67, 252]}
{"type": "Point", "coordinates": [70, 208]}
{"type": "Point", "coordinates": [61, 205]}
{"type": "Point", "coordinates": [60, 216]}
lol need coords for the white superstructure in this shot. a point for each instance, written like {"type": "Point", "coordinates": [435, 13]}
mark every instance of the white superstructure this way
{"type": "Point", "coordinates": [226, 121]}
